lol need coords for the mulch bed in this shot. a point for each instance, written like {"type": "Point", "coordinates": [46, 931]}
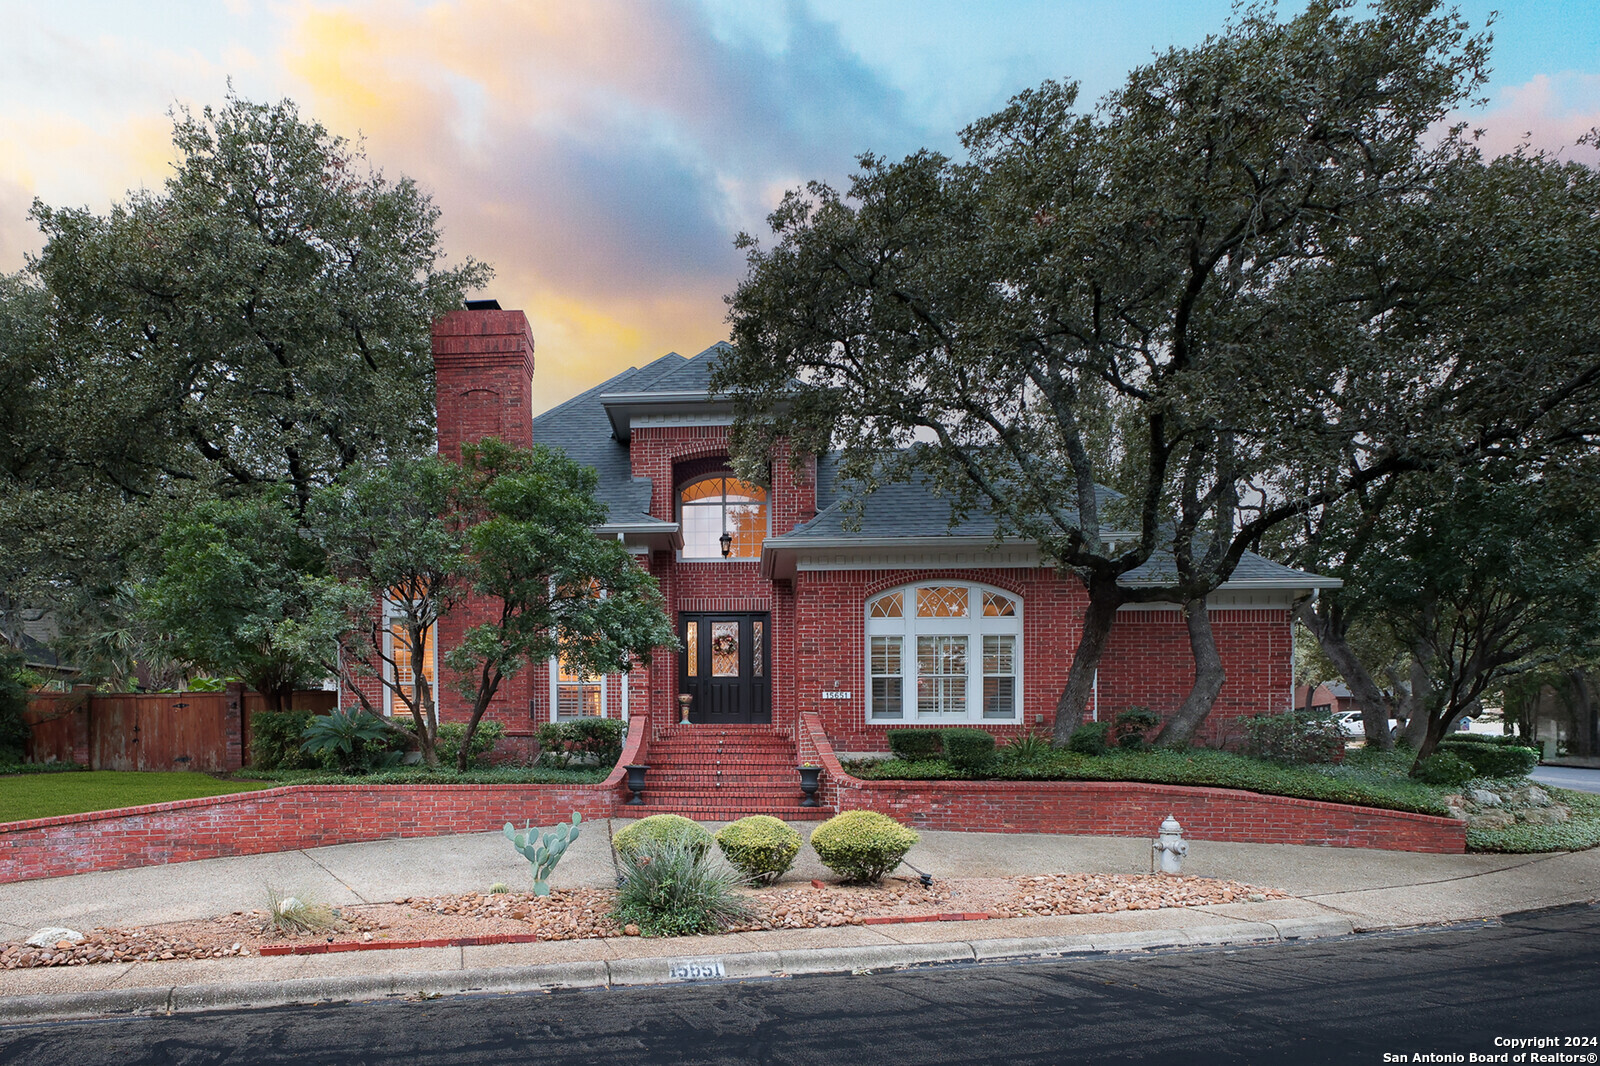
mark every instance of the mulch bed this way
{"type": "Point", "coordinates": [575, 914]}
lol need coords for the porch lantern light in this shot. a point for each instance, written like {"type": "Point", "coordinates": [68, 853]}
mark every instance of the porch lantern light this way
{"type": "Point", "coordinates": [726, 540]}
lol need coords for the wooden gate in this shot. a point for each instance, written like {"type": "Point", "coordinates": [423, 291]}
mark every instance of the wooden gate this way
{"type": "Point", "coordinates": [183, 731]}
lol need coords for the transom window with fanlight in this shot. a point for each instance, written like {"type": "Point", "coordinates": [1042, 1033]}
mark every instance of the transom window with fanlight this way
{"type": "Point", "coordinates": [944, 652]}
{"type": "Point", "coordinates": [722, 517]}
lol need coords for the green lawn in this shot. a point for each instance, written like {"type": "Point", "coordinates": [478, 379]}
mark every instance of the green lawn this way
{"type": "Point", "coordinates": [24, 796]}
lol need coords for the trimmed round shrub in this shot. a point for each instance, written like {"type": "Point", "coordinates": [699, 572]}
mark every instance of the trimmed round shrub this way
{"type": "Point", "coordinates": [1493, 760]}
{"type": "Point", "coordinates": [1446, 769]}
{"type": "Point", "coordinates": [862, 846]}
{"type": "Point", "coordinates": [968, 749]}
{"type": "Point", "coordinates": [658, 829]}
{"type": "Point", "coordinates": [760, 847]}
{"type": "Point", "coordinates": [1090, 738]}
{"type": "Point", "coordinates": [915, 743]}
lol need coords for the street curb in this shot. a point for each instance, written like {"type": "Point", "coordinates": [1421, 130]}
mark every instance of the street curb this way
{"type": "Point", "coordinates": [613, 973]}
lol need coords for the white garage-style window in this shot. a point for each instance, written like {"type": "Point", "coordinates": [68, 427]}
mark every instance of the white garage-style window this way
{"type": "Point", "coordinates": [944, 652]}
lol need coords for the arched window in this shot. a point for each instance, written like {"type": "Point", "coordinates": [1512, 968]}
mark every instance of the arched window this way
{"type": "Point", "coordinates": [944, 652]}
{"type": "Point", "coordinates": [719, 504]}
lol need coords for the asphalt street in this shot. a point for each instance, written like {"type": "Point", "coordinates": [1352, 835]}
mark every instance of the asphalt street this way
{"type": "Point", "coordinates": [1454, 990]}
{"type": "Point", "coordinates": [1574, 777]}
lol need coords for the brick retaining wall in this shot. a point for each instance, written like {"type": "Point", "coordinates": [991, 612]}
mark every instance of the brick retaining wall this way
{"type": "Point", "coordinates": [289, 818]}
{"type": "Point", "coordinates": [1123, 808]}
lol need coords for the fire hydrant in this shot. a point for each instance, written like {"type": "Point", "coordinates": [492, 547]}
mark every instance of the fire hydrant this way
{"type": "Point", "coordinates": [1171, 846]}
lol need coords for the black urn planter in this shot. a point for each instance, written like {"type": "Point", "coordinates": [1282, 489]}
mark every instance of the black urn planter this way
{"type": "Point", "coordinates": [808, 784]}
{"type": "Point", "coordinates": [635, 784]}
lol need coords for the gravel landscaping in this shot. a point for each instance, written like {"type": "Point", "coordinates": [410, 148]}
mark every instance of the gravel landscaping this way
{"type": "Point", "coordinates": [585, 913]}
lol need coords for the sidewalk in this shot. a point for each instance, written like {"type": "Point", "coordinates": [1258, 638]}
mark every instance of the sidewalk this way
{"type": "Point", "coordinates": [1335, 891]}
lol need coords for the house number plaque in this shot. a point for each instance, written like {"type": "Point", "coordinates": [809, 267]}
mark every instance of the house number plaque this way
{"type": "Point", "coordinates": [837, 695]}
{"type": "Point", "coordinates": [695, 969]}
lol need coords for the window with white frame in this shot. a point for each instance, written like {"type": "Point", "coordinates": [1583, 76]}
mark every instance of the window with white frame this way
{"type": "Point", "coordinates": [715, 506]}
{"type": "Point", "coordinates": [942, 652]}
{"type": "Point", "coordinates": [575, 694]}
{"type": "Point", "coordinates": [399, 660]}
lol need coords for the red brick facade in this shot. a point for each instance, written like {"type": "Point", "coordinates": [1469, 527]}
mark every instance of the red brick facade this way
{"type": "Point", "coordinates": [485, 368]}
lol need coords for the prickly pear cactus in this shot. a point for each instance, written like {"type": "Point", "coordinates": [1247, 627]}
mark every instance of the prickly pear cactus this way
{"type": "Point", "coordinates": [543, 848]}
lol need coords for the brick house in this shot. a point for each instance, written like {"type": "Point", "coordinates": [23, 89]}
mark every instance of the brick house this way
{"type": "Point", "coordinates": [782, 610]}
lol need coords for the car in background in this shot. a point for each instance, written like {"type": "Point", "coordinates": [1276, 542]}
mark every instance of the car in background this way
{"type": "Point", "coordinates": [1350, 724]}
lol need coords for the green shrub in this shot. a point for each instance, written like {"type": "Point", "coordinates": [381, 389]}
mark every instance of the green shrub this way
{"type": "Point", "coordinates": [1027, 750]}
{"type": "Point", "coordinates": [760, 847]}
{"type": "Point", "coordinates": [353, 742]}
{"type": "Point", "coordinates": [275, 738]}
{"type": "Point", "coordinates": [1493, 760]}
{"type": "Point", "coordinates": [1502, 739]}
{"type": "Point", "coordinates": [1090, 738]}
{"type": "Point", "coordinates": [862, 846]}
{"type": "Point", "coordinates": [915, 743]}
{"type": "Point", "coordinates": [448, 744]}
{"type": "Point", "coordinates": [15, 681]}
{"type": "Point", "coordinates": [968, 749]}
{"type": "Point", "coordinates": [658, 831]}
{"type": "Point", "coordinates": [562, 743]}
{"type": "Point", "coordinates": [674, 891]}
{"type": "Point", "coordinates": [1295, 738]}
{"type": "Point", "coordinates": [1132, 725]}
{"type": "Point", "coordinates": [1447, 769]}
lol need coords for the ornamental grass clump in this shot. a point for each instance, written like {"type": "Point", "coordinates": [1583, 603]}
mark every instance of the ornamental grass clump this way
{"type": "Point", "coordinates": [862, 846]}
{"type": "Point", "coordinates": [673, 890]}
{"type": "Point", "coordinates": [292, 914]}
{"type": "Point", "coordinates": [658, 830]}
{"type": "Point", "coordinates": [760, 847]}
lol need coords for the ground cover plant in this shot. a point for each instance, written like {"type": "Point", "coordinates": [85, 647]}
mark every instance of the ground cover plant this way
{"type": "Point", "coordinates": [49, 795]}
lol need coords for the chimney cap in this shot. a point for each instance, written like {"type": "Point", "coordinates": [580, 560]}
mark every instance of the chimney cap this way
{"type": "Point", "coordinates": [483, 305]}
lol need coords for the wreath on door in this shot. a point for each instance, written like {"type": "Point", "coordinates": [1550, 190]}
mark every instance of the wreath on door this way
{"type": "Point", "coordinates": [726, 644]}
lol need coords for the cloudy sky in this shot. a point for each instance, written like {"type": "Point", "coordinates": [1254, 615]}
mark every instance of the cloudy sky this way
{"type": "Point", "coordinates": [602, 154]}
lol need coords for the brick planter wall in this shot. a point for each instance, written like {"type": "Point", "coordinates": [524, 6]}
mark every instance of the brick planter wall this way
{"type": "Point", "coordinates": [289, 818]}
{"type": "Point", "coordinates": [1107, 808]}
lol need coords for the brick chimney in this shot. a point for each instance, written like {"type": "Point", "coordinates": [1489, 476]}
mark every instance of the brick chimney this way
{"type": "Point", "coordinates": [483, 365]}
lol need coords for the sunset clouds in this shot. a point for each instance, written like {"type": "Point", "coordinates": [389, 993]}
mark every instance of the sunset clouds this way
{"type": "Point", "coordinates": [601, 154]}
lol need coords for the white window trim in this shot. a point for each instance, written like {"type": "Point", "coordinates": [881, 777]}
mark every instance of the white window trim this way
{"type": "Point", "coordinates": [974, 627]}
{"type": "Point", "coordinates": [555, 692]}
{"type": "Point", "coordinates": [389, 685]}
{"type": "Point", "coordinates": [678, 505]}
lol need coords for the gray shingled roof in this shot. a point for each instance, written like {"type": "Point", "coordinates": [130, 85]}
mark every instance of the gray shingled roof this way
{"type": "Point", "coordinates": [897, 511]}
{"type": "Point", "coordinates": [581, 429]}
{"type": "Point", "coordinates": [1252, 571]}
{"type": "Point", "coordinates": [914, 510]}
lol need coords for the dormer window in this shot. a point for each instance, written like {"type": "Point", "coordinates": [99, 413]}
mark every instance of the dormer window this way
{"type": "Point", "coordinates": [718, 506]}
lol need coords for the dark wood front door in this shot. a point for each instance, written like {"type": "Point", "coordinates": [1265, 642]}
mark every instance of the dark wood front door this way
{"type": "Point", "coordinates": [726, 667]}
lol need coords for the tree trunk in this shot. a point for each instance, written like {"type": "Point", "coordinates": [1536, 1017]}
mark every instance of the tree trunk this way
{"type": "Point", "coordinates": [1331, 638]}
{"type": "Point", "coordinates": [1104, 599]}
{"type": "Point", "coordinates": [490, 685]}
{"type": "Point", "coordinates": [1420, 700]}
{"type": "Point", "coordinates": [1584, 739]}
{"type": "Point", "coordinates": [1208, 678]}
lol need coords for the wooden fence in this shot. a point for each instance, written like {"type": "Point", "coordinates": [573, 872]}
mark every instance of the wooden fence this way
{"type": "Point", "coordinates": [134, 731]}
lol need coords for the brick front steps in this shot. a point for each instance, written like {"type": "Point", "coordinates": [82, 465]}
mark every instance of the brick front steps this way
{"type": "Point", "coordinates": [717, 773]}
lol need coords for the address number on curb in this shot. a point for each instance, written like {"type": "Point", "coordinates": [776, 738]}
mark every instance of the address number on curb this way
{"type": "Point", "coordinates": [837, 695]}
{"type": "Point", "coordinates": [695, 969]}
